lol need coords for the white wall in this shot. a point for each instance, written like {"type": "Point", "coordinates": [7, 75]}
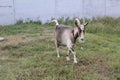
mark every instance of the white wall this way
{"type": "Point", "coordinates": [6, 12]}
{"type": "Point", "coordinates": [46, 9]}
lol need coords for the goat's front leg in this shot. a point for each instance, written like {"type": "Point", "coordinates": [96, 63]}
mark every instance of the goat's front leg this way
{"type": "Point", "coordinates": [74, 54]}
{"type": "Point", "coordinates": [67, 57]}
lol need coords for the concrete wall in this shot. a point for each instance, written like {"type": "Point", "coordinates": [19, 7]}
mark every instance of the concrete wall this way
{"type": "Point", "coordinates": [44, 10]}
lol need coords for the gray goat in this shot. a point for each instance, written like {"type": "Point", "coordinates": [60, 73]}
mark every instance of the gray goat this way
{"type": "Point", "coordinates": [66, 36]}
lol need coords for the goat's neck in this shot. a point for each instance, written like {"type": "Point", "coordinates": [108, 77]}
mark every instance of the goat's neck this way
{"type": "Point", "coordinates": [76, 33]}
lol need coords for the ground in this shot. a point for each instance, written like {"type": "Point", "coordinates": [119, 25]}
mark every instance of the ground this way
{"type": "Point", "coordinates": [28, 53]}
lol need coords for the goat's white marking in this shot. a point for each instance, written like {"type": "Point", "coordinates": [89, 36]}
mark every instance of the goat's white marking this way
{"type": "Point", "coordinates": [81, 39]}
{"type": "Point", "coordinates": [82, 34]}
{"type": "Point", "coordinates": [82, 27]}
{"type": "Point", "coordinates": [55, 21]}
{"type": "Point", "coordinates": [67, 58]}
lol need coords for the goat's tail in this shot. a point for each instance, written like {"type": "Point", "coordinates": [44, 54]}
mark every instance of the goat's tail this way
{"type": "Point", "coordinates": [56, 22]}
{"type": "Point", "coordinates": [77, 22]}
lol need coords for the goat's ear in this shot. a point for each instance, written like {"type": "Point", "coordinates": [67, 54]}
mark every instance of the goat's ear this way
{"type": "Point", "coordinates": [85, 24]}
{"type": "Point", "coordinates": [77, 22]}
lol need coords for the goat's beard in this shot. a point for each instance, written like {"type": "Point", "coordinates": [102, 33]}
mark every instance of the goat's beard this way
{"type": "Point", "coordinates": [81, 44]}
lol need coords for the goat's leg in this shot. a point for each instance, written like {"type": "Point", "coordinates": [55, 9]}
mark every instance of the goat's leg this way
{"type": "Point", "coordinates": [57, 49]}
{"type": "Point", "coordinates": [74, 54]}
{"type": "Point", "coordinates": [67, 57]}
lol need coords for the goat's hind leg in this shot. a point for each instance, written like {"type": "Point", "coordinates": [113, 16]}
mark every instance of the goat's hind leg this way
{"type": "Point", "coordinates": [57, 49]}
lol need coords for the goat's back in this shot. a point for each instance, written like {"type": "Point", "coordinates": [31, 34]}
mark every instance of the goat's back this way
{"type": "Point", "coordinates": [64, 34]}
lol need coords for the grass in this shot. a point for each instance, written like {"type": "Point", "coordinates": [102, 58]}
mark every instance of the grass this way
{"type": "Point", "coordinates": [28, 52]}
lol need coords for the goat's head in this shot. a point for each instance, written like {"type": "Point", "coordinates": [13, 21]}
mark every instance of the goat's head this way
{"type": "Point", "coordinates": [81, 29]}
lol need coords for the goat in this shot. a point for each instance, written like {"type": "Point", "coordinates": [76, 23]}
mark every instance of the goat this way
{"type": "Point", "coordinates": [66, 36]}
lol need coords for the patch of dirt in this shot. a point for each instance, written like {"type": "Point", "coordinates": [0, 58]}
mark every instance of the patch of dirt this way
{"type": "Point", "coordinates": [14, 41]}
{"type": "Point", "coordinates": [97, 64]}
{"type": "Point", "coordinates": [103, 68]}
{"type": "Point", "coordinates": [5, 58]}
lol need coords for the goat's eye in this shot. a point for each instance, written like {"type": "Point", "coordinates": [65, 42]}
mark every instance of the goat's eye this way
{"type": "Point", "coordinates": [82, 30]}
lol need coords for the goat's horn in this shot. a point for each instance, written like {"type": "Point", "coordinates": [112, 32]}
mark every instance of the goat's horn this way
{"type": "Point", "coordinates": [77, 22]}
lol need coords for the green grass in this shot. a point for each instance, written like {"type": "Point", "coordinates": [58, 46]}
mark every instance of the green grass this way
{"type": "Point", "coordinates": [28, 52]}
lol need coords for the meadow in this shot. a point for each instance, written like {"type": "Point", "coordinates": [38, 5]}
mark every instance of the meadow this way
{"type": "Point", "coordinates": [28, 52]}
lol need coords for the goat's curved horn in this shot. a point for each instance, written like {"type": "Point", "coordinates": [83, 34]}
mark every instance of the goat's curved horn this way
{"type": "Point", "coordinates": [56, 22]}
{"type": "Point", "coordinates": [77, 22]}
{"type": "Point", "coordinates": [84, 22]}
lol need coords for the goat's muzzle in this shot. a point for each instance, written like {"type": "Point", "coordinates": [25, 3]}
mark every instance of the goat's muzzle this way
{"type": "Point", "coordinates": [81, 40]}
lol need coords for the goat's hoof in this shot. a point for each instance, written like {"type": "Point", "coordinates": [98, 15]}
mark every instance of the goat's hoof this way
{"type": "Point", "coordinates": [67, 58]}
{"type": "Point", "coordinates": [58, 56]}
{"type": "Point", "coordinates": [82, 48]}
{"type": "Point", "coordinates": [75, 62]}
